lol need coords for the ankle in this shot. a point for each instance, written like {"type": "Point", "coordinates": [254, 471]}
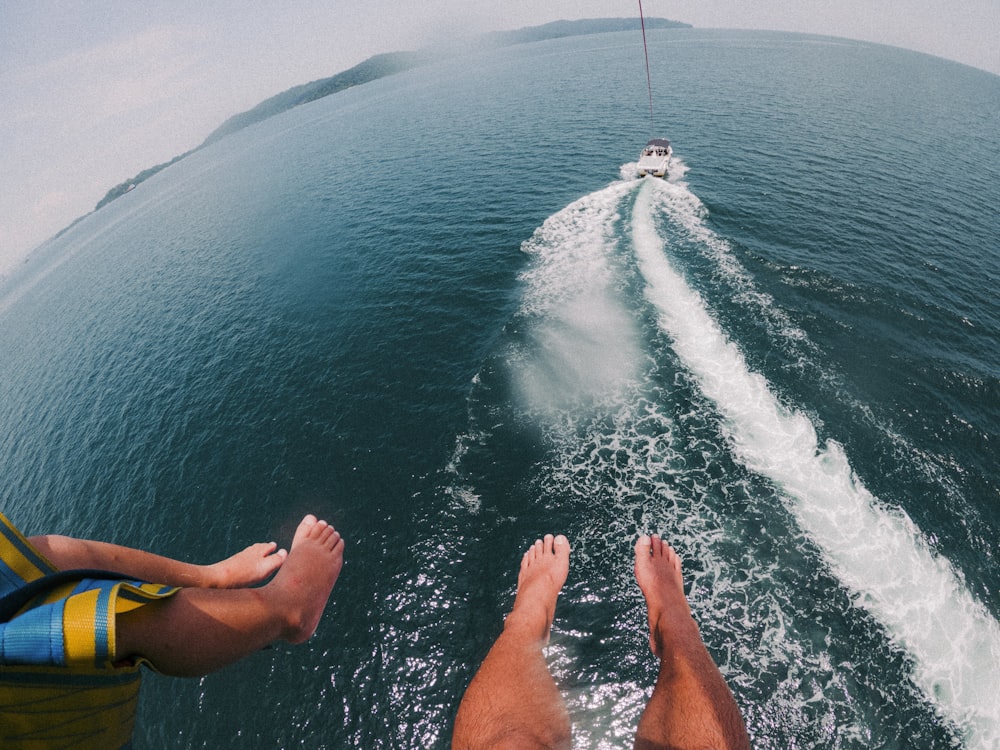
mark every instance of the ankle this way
{"type": "Point", "coordinates": [528, 622]}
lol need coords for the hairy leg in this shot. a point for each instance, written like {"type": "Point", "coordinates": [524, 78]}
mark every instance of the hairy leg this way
{"type": "Point", "coordinates": [199, 630]}
{"type": "Point", "coordinates": [513, 702]}
{"type": "Point", "coordinates": [691, 705]}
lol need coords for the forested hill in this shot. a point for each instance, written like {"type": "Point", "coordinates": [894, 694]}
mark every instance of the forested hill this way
{"type": "Point", "coordinates": [388, 64]}
{"type": "Point", "coordinates": [371, 69]}
{"type": "Point", "coordinates": [558, 29]}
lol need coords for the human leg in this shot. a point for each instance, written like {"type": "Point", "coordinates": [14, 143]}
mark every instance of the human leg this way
{"type": "Point", "coordinates": [513, 702]}
{"type": "Point", "coordinates": [691, 705]}
{"type": "Point", "coordinates": [199, 630]}
{"type": "Point", "coordinates": [246, 568]}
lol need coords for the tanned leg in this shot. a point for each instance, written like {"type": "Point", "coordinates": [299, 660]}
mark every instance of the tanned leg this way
{"type": "Point", "coordinates": [199, 630]}
{"type": "Point", "coordinates": [253, 565]}
{"type": "Point", "coordinates": [691, 706]}
{"type": "Point", "coordinates": [513, 702]}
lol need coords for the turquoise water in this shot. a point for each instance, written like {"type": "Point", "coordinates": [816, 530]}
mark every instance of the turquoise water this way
{"type": "Point", "coordinates": [439, 311]}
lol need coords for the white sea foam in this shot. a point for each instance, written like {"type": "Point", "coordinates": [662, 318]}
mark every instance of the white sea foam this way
{"type": "Point", "coordinates": [577, 345]}
{"type": "Point", "coordinates": [581, 370]}
{"type": "Point", "coordinates": [877, 553]}
{"type": "Point", "coordinates": [689, 213]}
{"type": "Point", "coordinates": [584, 343]}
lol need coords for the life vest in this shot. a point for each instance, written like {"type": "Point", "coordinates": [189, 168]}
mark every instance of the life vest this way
{"type": "Point", "coordinates": [58, 684]}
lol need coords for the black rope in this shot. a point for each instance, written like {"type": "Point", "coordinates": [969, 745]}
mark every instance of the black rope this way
{"type": "Point", "coordinates": [649, 80]}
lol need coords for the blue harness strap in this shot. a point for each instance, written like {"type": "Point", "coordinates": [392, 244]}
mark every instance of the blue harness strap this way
{"type": "Point", "coordinates": [59, 687]}
{"type": "Point", "coordinates": [16, 600]}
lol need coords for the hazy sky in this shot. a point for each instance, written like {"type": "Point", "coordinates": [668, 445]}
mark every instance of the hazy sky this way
{"type": "Point", "coordinates": [94, 91]}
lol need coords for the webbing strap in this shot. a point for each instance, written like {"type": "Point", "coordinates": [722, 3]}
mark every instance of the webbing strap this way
{"type": "Point", "coordinates": [16, 600]}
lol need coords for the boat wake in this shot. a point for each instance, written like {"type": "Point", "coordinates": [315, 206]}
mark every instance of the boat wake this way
{"type": "Point", "coordinates": [652, 419]}
{"type": "Point", "coordinates": [876, 552]}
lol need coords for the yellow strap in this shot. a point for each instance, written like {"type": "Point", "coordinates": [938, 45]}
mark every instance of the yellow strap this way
{"type": "Point", "coordinates": [19, 556]}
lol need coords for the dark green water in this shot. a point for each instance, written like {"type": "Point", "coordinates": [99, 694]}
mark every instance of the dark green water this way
{"type": "Point", "coordinates": [438, 311]}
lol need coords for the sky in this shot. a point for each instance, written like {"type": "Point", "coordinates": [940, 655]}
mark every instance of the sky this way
{"type": "Point", "coordinates": [94, 91]}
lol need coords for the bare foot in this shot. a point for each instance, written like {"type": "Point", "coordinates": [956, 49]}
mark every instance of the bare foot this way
{"type": "Point", "coordinates": [307, 576]}
{"type": "Point", "coordinates": [658, 573]}
{"type": "Point", "coordinates": [691, 705]}
{"type": "Point", "coordinates": [544, 568]}
{"type": "Point", "coordinates": [255, 564]}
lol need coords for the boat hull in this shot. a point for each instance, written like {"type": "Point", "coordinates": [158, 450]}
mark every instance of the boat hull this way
{"type": "Point", "coordinates": [655, 158]}
{"type": "Point", "coordinates": [657, 171]}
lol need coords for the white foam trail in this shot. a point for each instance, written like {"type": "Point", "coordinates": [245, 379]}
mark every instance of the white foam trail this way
{"type": "Point", "coordinates": [687, 210]}
{"type": "Point", "coordinates": [585, 344]}
{"type": "Point", "coordinates": [877, 553]}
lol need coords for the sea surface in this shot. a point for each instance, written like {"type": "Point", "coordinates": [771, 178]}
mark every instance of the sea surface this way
{"type": "Point", "coordinates": [440, 311]}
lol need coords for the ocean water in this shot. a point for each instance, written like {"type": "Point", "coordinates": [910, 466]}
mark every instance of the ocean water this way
{"type": "Point", "coordinates": [441, 312]}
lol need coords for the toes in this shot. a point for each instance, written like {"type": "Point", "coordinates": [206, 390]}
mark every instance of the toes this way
{"type": "Point", "coordinates": [654, 545]}
{"type": "Point", "coordinates": [549, 545]}
{"type": "Point", "coordinates": [331, 537]}
{"type": "Point", "coordinates": [643, 545]}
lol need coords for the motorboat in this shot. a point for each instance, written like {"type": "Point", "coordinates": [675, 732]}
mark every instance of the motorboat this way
{"type": "Point", "coordinates": [655, 158]}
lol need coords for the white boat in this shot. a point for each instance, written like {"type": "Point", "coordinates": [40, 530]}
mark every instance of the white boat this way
{"type": "Point", "coordinates": [655, 158]}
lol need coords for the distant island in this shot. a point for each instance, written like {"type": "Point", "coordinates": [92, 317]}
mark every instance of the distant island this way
{"type": "Point", "coordinates": [387, 64]}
